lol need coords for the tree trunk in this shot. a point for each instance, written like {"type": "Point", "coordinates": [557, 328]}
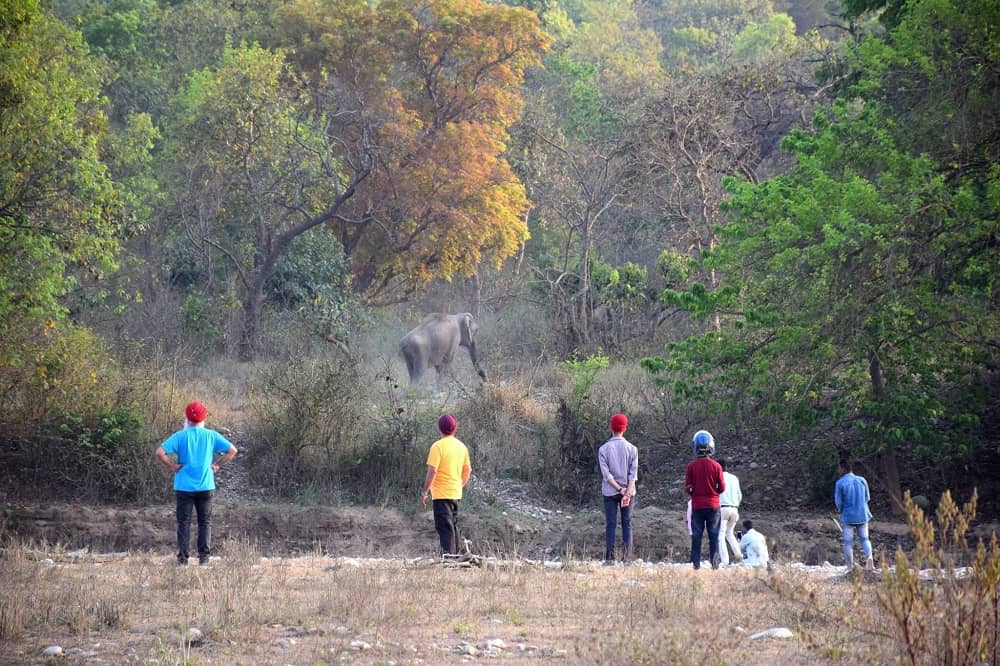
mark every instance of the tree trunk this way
{"type": "Point", "coordinates": [251, 317]}
{"type": "Point", "coordinates": [886, 456]}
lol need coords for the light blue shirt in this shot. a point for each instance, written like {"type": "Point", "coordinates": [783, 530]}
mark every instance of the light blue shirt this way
{"type": "Point", "coordinates": [732, 495]}
{"type": "Point", "coordinates": [195, 447]}
{"type": "Point", "coordinates": [619, 460]}
{"type": "Point", "coordinates": [851, 496]}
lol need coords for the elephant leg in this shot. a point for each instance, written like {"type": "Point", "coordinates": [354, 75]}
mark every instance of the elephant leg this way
{"type": "Point", "coordinates": [443, 372]}
{"type": "Point", "coordinates": [414, 363]}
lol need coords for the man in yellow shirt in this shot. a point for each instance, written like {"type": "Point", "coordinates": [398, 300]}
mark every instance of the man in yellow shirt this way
{"type": "Point", "coordinates": [448, 470]}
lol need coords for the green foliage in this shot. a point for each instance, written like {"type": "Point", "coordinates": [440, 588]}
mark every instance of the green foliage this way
{"type": "Point", "coordinates": [106, 449]}
{"type": "Point", "coordinates": [584, 372]}
{"type": "Point", "coordinates": [673, 267]}
{"type": "Point", "coordinates": [854, 288]}
{"type": "Point", "coordinates": [71, 419]}
{"type": "Point", "coordinates": [57, 201]}
{"type": "Point", "coordinates": [764, 41]}
{"type": "Point", "coordinates": [313, 278]}
{"type": "Point", "coordinates": [199, 319]}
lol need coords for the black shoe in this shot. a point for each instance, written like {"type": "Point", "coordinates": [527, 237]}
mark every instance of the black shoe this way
{"type": "Point", "coordinates": [203, 561]}
{"type": "Point", "coordinates": [182, 561]}
{"type": "Point", "coordinates": [716, 560]}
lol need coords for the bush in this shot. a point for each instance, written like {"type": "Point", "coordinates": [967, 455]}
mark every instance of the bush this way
{"type": "Point", "coordinates": [305, 415]}
{"type": "Point", "coordinates": [507, 433]}
{"type": "Point", "coordinates": [939, 611]}
{"type": "Point", "coordinates": [71, 420]}
{"type": "Point", "coordinates": [939, 604]}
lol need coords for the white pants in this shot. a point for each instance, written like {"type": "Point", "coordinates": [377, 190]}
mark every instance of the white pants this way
{"type": "Point", "coordinates": [730, 518]}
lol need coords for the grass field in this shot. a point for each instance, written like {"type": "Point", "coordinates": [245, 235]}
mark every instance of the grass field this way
{"type": "Point", "coordinates": [140, 607]}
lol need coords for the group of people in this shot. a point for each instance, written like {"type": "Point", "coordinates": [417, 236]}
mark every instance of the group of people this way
{"type": "Point", "coordinates": [715, 496]}
{"type": "Point", "coordinates": [195, 453]}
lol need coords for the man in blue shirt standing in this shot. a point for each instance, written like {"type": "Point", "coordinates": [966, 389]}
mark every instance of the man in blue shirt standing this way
{"type": "Point", "coordinates": [194, 449]}
{"type": "Point", "coordinates": [851, 496]}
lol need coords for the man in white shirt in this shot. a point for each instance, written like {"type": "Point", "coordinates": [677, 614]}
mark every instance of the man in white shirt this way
{"type": "Point", "coordinates": [754, 546]}
{"type": "Point", "coordinates": [729, 502]}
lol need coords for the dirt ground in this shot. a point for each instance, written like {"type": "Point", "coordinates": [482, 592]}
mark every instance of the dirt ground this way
{"type": "Point", "coordinates": [287, 529]}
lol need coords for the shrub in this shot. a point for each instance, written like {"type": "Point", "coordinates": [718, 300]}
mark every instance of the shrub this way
{"type": "Point", "coordinates": [939, 604]}
{"type": "Point", "coordinates": [70, 417]}
{"type": "Point", "coordinates": [509, 433]}
{"type": "Point", "coordinates": [939, 611]}
{"type": "Point", "coordinates": [305, 415]}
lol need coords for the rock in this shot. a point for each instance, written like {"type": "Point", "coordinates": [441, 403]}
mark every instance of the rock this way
{"type": "Point", "coordinates": [468, 649]}
{"type": "Point", "coordinates": [52, 651]}
{"type": "Point", "coordinates": [776, 632]}
{"type": "Point", "coordinates": [360, 646]}
{"type": "Point", "coordinates": [342, 630]}
{"type": "Point", "coordinates": [194, 636]}
{"type": "Point", "coordinates": [285, 642]}
{"type": "Point", "coordinates": [493, 644]}
{"type": "Point", "coordinates": [922, 502]}
{"type": "Point", "coordinates": [47, 562]}
{"type": "Point", "coordinates": [754, 465]}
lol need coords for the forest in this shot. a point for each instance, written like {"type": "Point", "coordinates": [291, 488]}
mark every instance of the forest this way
{"type": "Point", "coordinates": [775, 219]}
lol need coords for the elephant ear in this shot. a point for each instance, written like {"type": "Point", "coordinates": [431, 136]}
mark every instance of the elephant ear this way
{"type": "Point", "coordinates": [467, 328]}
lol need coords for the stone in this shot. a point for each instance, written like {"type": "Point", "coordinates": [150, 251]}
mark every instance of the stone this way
{"type": "Point", "coordinates": [52, 651]}
{"type": "Point", "coordinates": [776, 632]}
{"type": "Point", "coordinates": [493, 644]}
{"type": "Point", "coordinates": [47, 562]}
{"type": "Point", "coordinates": [922, 502]}
{"type": "Point", "coordinates": [342, 630]}
{"type": "Point", "coordinates": [754, 465]}
{"type": "Point", "coordinates": [194, 636]}
{"type": "Point", "coordinates": [285, 642]}
{"type": "Point", "coordinates": [468, 649]}
{"type": "Point", "coordinates": [360, 646]}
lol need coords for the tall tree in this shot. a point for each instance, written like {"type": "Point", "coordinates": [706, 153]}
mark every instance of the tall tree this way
{"type": "Point", "coordinates": [443, 79]}
{"type": "Point", "coordinates": [861, 288]}
{"type": "Point", "coordinates": [578, 141]}
{"type": "Point", "coordinates": [57, 200]}
{"type": "Point", "coordinates": [400, 155]}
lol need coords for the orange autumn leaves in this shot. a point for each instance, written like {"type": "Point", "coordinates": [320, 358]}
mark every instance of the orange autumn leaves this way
{"type": "Point", "coordinates": [441, 79]}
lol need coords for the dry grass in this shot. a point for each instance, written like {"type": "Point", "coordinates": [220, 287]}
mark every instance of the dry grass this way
{"type": "Point", "coordinates": [309, 610]}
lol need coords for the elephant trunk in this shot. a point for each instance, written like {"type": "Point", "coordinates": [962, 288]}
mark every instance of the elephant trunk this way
{"type": "Point", "coordinates": [475, 360]}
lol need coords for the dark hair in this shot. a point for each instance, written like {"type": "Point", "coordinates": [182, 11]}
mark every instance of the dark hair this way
{"type": "Point", "coordinates": [748, 524]}
{"type": "Point", "coordinates": [845, 464]}
{"type": "Point", "coordinates": [722, 461]}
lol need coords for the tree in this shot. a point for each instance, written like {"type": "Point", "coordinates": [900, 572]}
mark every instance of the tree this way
{"type": "Point", "coordinates": [578, 141]}
{"type": "Point", "coordinates": [399, 156]}
{"type": "Point", "coordinates": [253, 177]}
{"type": "Point", "coordinates": [439, 81]}
{"type": "Point", "coordinates": [860, 288]}
{"type": "Point", "coordinates": [57, 201]}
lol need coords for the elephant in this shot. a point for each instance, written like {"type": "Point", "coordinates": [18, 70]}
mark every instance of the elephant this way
{"type": "Point", "coordinates": [434, 341]}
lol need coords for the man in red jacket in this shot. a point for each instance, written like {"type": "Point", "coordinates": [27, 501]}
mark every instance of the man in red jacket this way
{"type": "Point", "coordinates": [704, 482]}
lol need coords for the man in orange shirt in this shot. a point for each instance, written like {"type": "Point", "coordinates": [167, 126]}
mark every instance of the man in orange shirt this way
{"type": "Point", "coordinates": [448, 470]}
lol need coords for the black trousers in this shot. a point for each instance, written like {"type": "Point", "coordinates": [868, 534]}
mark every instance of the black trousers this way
{"type": "Point", "coordinates": [446, 524]}
{"type": "Point", "coordinates": [202, 504]}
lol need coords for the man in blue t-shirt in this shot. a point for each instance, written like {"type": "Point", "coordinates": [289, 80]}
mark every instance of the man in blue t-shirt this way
{"type": "Point", "coordinates": [194, 449]}
{"type": "Point", "coordinates": [851, 496]}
